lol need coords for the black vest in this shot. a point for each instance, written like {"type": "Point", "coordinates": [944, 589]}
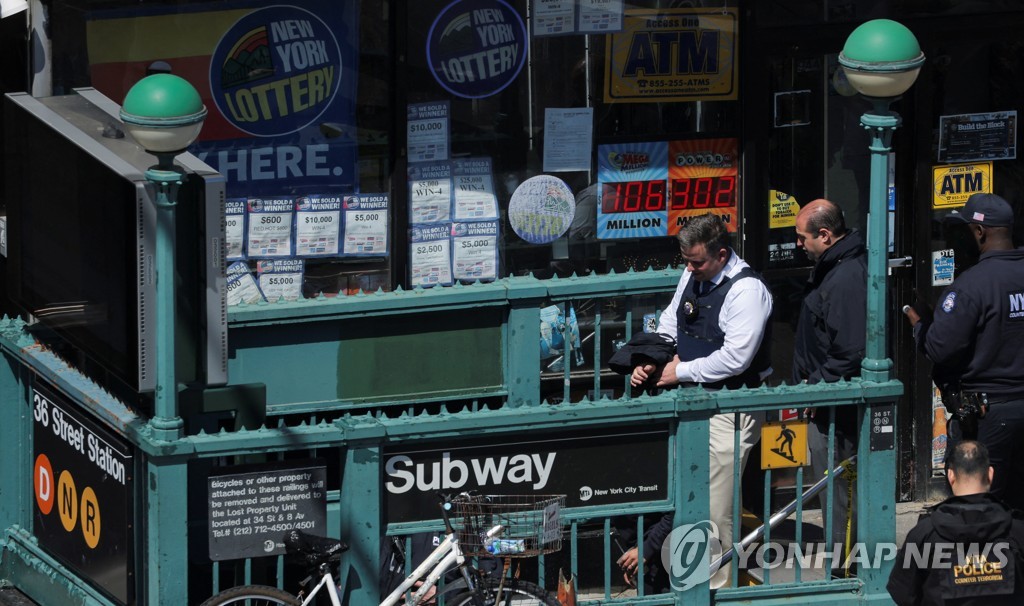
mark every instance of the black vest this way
{"type": "Point", "coordinates": [698, 337]}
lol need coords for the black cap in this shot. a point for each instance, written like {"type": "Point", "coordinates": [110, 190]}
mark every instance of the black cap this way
{"type": "Point", "coordinates": [989, 210]}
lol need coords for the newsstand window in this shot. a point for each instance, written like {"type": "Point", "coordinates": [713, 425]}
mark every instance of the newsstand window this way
{"type": "Point", "coordinates": [617, 127]}
{"type": "Point", "coordinates": [369, 145]}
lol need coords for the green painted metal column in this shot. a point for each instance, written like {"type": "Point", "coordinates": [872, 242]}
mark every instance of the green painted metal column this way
{"type": "Point", "coordinates": [166, 533]}
{"type": "Point", "coordinates": [361, 523]}
{"type": "Point", "coordinates": [880, 125]}
{"type": "Point", "coordinates": [15, 445]}
{"type": "Point", "coordinates": [166, 423]}
{"type": "Point", "coordinates": [691, 494]}
{"type": "Point", "coordinates": [876, 508]}
{"type": "Point", "coordinates": [522, 352]}
{"type": "Point", "coordinates": [876, 473]}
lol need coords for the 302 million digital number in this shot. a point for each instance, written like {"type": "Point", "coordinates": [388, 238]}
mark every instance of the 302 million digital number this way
{"type": "Point", "coordinates": [703, 192]}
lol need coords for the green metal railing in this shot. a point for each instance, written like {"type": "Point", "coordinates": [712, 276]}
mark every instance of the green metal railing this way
{"type": "Point", "coordinates": [373, 386]}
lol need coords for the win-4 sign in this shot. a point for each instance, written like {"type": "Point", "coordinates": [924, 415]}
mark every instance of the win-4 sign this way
{"type": "Point", "coordinates": [784, 444]}
{"type": "Point", "coordinates": [953, 184]}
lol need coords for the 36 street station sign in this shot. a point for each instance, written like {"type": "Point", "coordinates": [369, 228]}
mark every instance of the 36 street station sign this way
{"type": "Point", "coordinates": [82, 480]}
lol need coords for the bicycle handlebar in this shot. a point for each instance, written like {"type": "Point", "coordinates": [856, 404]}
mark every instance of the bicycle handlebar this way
{"type": "Point", "coordinates": [445, 502]}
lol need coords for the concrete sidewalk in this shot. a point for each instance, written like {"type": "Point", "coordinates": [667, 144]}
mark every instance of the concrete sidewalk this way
{"type": "Point", "coordinates": [906, 518]}
{"type": "Point", "coordinates": [10, 596]}
{"type": "Point", "coordinates": [907, 515]}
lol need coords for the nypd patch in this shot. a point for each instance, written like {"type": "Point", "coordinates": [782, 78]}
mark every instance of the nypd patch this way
{"type": "Point", "coordinates": [1017, 306]}
{"type": "Point", "coordinates": [949, 302]}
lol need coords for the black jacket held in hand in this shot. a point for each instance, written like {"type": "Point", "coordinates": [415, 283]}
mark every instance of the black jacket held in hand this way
{"type": "Point", "coordinates": [643, 348]}
{"type": "Point", "coordinates": [964, 551]}
{"type": "Point", "coordinates": [830, 334]}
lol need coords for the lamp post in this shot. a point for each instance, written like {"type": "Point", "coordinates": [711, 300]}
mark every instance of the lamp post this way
{"type": "Point", "coordinates": [881, 59]}
{"type": "Point", "coordinates": [164, 114]}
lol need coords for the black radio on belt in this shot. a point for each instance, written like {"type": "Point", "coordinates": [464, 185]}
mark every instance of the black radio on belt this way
{"type": "Point", "coordinates": [967, 407]}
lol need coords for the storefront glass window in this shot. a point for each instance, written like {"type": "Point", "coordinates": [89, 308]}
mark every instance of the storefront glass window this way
{"type": "Point", "coordinates": [436, 142]}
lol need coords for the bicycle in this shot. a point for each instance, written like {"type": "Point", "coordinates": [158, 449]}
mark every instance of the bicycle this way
{"type": "Point", "coordinates": [489, 526]}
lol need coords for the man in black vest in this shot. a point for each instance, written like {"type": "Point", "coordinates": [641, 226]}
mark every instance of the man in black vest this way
{"type": "Point", "coordinates": [964, 550]}
{"type": "Point", "coordinates": [718, 319]}
{"type": "Point", "coordinates": [829, 341]}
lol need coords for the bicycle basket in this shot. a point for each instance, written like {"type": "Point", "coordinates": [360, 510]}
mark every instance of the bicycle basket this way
{"type": "Point", "coordinates": [532, 524]}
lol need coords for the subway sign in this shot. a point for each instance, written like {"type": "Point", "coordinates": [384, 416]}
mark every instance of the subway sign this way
{"type": "Point", "coordinates": [673, 55]}
{"type": "Point", "coordinates": [82, 478]}
{"type": "Point", "coordinates": [626, 465]}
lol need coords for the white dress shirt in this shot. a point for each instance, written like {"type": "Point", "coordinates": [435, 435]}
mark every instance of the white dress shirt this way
{"type": "Point", "coordinates": [744, 314]}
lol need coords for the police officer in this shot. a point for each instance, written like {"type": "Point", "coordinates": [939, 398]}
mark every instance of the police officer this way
{"type": "Point", "coordinates": [963, 550]}
{"type": "Point", "coordinates": [976, 340]}
{"type": "Point", "coordinates": [718, 319]}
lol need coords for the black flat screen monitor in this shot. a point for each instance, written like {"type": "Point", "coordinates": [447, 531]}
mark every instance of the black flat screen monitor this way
{"type": "Point", "coordinates": [82, 223]}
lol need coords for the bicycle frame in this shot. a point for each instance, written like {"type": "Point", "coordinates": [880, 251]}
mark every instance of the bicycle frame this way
{"type": "Point", "coordinates": [437, 563]}
{"type": "Point", "coordinates": [332, 590]}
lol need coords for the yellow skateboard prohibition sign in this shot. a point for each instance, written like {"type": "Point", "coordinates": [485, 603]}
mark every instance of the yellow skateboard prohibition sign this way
{"type": "Point", "coordinates": [784, 444]}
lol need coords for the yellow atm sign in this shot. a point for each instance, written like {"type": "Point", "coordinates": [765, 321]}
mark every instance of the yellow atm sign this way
{"type": "Point", "coordinates": [669, 55]}
{"type": "Point", "coordinates": [953, 184]}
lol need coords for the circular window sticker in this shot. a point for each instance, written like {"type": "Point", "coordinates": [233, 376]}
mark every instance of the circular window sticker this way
{"type": "Point", "coordinates": [541, 209]}
{"type": "Point", "coordinates": [476, 48]}
{"type": "Point", "coordinates": [275, 71]}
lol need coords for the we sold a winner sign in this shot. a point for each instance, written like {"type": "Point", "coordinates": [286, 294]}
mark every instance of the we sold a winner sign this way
{"type": "Point", "coordinates": [622, 466]}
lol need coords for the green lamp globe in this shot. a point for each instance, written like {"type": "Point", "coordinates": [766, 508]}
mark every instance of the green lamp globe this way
{"type": "Point", "coordinates": [881, 58]}
{"type": "Point", "coordinates": [164, 113]}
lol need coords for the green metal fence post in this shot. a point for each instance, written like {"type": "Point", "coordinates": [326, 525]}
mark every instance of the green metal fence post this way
{"type": "Point", "coordinates": [692, 437]}
{"type": "Point", "coordinates": [361, 525]}
{"type": "Point", "coordinates": [522, 349]}
{"type": "Point", "coordinates": [876, 508]}
{"type": "Point", "coordinates": [15, 446]}
{"type": "Point", "coordinates": [166, 532]}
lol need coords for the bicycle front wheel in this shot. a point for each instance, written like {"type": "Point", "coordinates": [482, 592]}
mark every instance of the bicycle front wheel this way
{"type": "Point", "coordinates": [512, 593]}
{"type": "Point", "coordinates": [253, 595]}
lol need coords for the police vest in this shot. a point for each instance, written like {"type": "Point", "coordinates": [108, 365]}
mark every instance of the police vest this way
{"type": "Point", "coordinates": [698, 333]}
{"type": "Point", "coordinates": [981, 571]}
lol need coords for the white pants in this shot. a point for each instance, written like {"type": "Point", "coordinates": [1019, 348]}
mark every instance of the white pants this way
{"type": "Point", "coordinates": [722, 428]}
